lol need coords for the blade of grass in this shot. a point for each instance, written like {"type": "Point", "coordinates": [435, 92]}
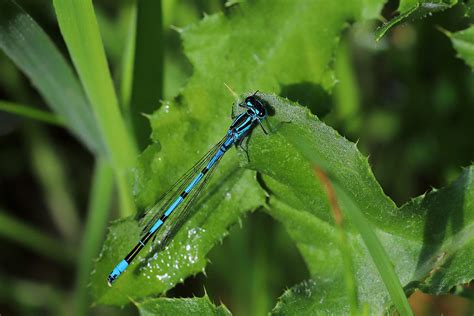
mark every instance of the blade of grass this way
{"type": "Point", "coordinates": [376, 250]}
{"type": "Point", "coordinates": [23, 40]}
{"type": "Point", "coordinates": [147, 84]}
{"type": "Point", "coordinates": [127, 63]}
{"type": "Point", "coordinates": [51, 173]}
{"type": "Point", "coordinates": [98, 213]}
{"type": "Point", "coordinates": [343, 243]}
{"type": "Point", "coordinates": [80, 31]}
{"type": "Point", "coordinates": [31, 113]}
{"type": "Point", "coordinates": [35, 240]}
{"type": "Point", "coordinates": [111, 33]}
{"type": "Point", "coordinates": [373, 244]}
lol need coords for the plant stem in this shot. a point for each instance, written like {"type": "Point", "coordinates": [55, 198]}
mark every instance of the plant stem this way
{"type": "Point", "coordinates": [51, 174]}
{"type": "Point", "coordinates": [34, 239]}
{"type": "Point", "coordinates": [127, 63]}
{"type": "Point", "coordinates": [349, 276]}
{"type": "Point", "coordinates": [377, 252]}
{"type": "Point", "coordinates": [31, 113]}
{"type": "Point", "coordinates": [98, 213]}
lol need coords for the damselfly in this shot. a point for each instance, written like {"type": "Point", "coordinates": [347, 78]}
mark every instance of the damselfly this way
{"type": "Point", "coordinates": [174, 206]}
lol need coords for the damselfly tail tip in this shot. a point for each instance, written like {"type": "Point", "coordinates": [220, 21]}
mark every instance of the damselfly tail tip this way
{"type": "Point", "coordinates": [110, 280]}
{"type": "Point", "coordinates": [234, 94]}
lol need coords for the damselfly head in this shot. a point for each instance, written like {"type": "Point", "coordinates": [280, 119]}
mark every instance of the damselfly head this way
{"type": "Point", "coordinates": [255, 105]}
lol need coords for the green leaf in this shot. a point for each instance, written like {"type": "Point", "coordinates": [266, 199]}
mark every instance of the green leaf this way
{"type": "Point", "coordinates": [81, 33]}
{"type": "Point", "coordinates": [128, 57]}
{"type": "Point", "coordinates": [416, 237]}
{"type": "Point", "coordinates": [22, 39]}
{"type": "Point", "coordinates": [376, 250]}
{"type": "Point", "coordinates": [468, 7]}
{"type": "Point", "coordinates": [30, 112]}
{"type": "Point", "coordinates": [463, 43]}
{"type": "Point", "coordinates": [216, 47]}
{"type": "Point", "coordinates": [415, 9]}
{"type": "Point", "coordinates": [50, 172]}
{"type": "Point", "coordinates": [155, 272]}
{"type": "Point", "coordinates": [302, 298]}
{"type": "Point", "coordinates": [445, 257]}
{"type": "Point", "coordinates": [343, 160]}
{"type": "Point", "coordinates": [243, 50]}
{"type": "Point", "coordinates": [182, 306]}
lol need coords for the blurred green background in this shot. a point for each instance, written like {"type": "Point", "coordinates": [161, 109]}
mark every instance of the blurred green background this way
{"type": "Point", "coordinates": [407, 100]}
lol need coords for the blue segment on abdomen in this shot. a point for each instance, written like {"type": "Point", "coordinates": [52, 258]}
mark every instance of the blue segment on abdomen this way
{"type": "Point", "coordinates": [214, 159]}
{"type": "Point", "coordinates": [173, 206]}
{"type": "Point", "coordinates": [192, 184]}
{"type": "Point", "coordinates": [120, 268]}
{"type": "Point", "coordinates": [156, 226]}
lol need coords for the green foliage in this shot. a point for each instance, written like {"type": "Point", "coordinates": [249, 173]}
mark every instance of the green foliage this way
{"type": "Point", "coordinates": [415, 9]}
{"type": "Point", "coordinates": [297, 199]}
{"type": "Point", "coordinates": [172, 306]}
{"type": "Point", "coordinates": [200, 107]}
{"type": "Point", "coordinates": [34, 239]}
{"type": "Point", "coordinates": [30, 112]}
{"type": "Point", "coordinates": [79, 26]}
{"type": "Point", "coordinates": [98, 213]}
{"type": "Point", "coordinates": [50, 172]}
{"type": "Point", "coordinates": [154, 272]}
{"type": "Point", "coordinates": [406, 237]}
{"type": "Point", "coordinates": [365, 263]}
{"type": "Point", "coordinates": [469, 9]}
{"type": "Point", "coordinates": [35, 54]}
{"type": "Point", "coordinates": [420, 256]}
{"type": "Point", "coordinates": [463, 42]}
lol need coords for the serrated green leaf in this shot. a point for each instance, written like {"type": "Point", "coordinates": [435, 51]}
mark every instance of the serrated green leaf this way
{"type": "Point", "coordinates": [23, 40]}
{"type": "Point", "coordinates": [301, 298]}
{"type": "Point", "coordinates": [181, 306]}
{"type": "Point", "coordinates": [422, 238]}
{"type": "Point", "coordinates": [463, 43]}
{"type": "Point", "coordinates": [243, 50]}
{"type": "Point", "coordinates": [414, 9]}
{"type": "Point", "coordinates": [156, 272]}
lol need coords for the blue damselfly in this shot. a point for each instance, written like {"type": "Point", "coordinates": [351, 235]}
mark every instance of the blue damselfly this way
{"type": "Point", "coordinates": [174, 205]}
